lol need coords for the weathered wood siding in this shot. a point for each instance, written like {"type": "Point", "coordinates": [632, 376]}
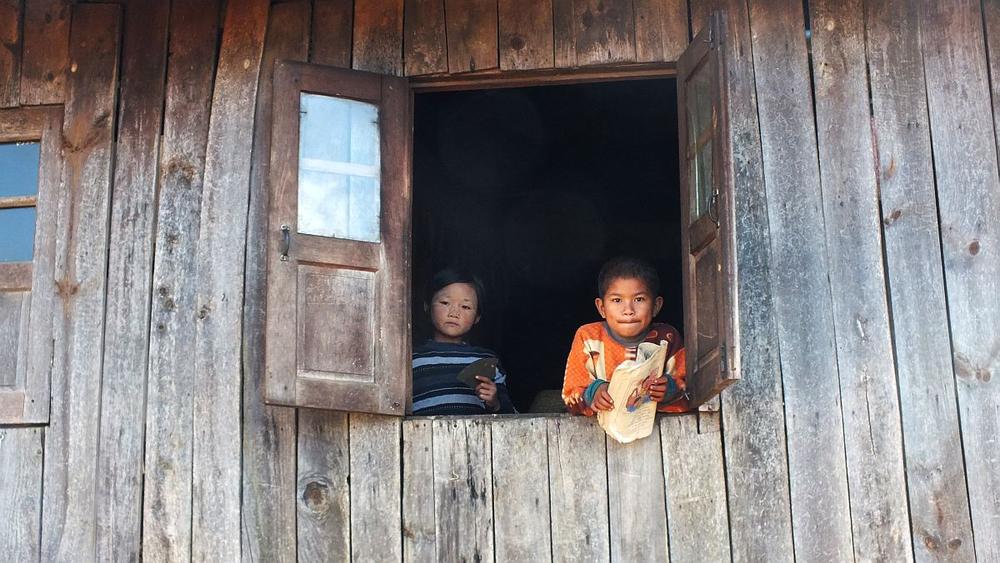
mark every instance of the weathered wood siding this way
{"type": "Point", "coordinates": [868, 208]}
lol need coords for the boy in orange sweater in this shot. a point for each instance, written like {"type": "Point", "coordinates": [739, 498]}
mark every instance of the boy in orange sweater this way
{"type": "Point", "coordinates": [629, 298]}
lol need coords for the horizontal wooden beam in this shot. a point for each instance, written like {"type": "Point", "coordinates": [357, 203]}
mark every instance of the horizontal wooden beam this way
{"type": "Point", "coordinates": [543, 77]}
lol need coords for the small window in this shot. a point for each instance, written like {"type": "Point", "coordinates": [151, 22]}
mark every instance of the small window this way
{"type": "Point", "coordinates": [29, 158]}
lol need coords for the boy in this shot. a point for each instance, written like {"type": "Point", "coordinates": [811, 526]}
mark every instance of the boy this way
{"type": "Point", "coordinates": [629, 298]}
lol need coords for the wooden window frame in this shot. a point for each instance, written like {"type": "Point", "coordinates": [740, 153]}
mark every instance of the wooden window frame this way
{"type": "Point", "coordinates": [27, 402]}
{"type": "Point", "coordinates": [278, 388]}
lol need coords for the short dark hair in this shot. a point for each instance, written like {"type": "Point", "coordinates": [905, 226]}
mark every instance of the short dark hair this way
{"type": "Point", "coordinates": [454, 274]}
{"type": "Point", "coordinates": [628, 267]}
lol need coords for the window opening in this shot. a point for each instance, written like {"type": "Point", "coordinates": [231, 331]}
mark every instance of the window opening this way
{"type": "Point", "coordinates": [533, 189]}
{"type": "Point", "coordinates": [18, 198]}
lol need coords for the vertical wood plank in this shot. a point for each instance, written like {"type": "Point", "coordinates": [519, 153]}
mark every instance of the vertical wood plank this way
{"type": "Point", "coordinates": [935, 474]}
{"type": "Point", "coordinates": [661, 30]}
{"type": "Point", "coordinates": [216, 480]}
{"type": "Point", "coordinates": [563, 42]}
{"type": "Point", "coordinates": [604, 32]}
{"type": "Point", "coordinates": [637, 500]}
{"type": "Point", "coordinates": [166, 529]}
{"type": "Point", "coordinates": [463, 492]}
{"type": "Point", "coordinates": [46, 52]}
{"type": "Point", "coordinates": [378, 36]}
{"type": "Point", "coordinates": [130, 264]}
{"type": "Point", "coordinates": [753, 412]}
{"type": "Point", "coordinates": [324, 486]}
{"type": "Point", "coordinates": [376, 518]}
{"type": "Point", "coordinates": [21, 492]}
{"type": "Point", "coordinates": [14, 316]}
{"type": "Point", "coordinates": [800, 284]}
{"type": "Point", "coordinates": [11, 12]}
{"type": "Point", "coordinates": [332, 21]}
{"type": "Point", "coordinates": [419, 540]}
{"type": "Point", "coordinates": [472, 35]}
{"type": "Point", "coordinates": [526, 34]}
{"type": "Point", "coordinates": [696, 489]}
{"type": "Point", "coordinates": [965, 165]}
{"type": "Point", "coordinates": [520, 490]}
{"type": "Point", "coordinates": [874, 440]}
{"type": "Point", "coordinates": [578, 490]}
{"type": "Point", "coordinates": [68, 517]}
{"type": "Point", "coordinates": [269, 441]}
{"type": "Point", "coordinates": [424, 42]}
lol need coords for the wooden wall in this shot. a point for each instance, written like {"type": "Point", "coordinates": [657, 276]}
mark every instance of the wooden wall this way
{"type": "Point", "coordinates": [869, 212]}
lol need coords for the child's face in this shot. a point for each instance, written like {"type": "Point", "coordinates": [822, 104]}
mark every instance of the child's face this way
{"type": "Point", "coordinates": [454, 310]}
{"type": "Point", "coordinates": [629, 307]}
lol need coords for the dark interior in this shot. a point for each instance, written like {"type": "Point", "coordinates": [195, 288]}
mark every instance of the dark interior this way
{"type": "Point", "coordinates": [533, 189]}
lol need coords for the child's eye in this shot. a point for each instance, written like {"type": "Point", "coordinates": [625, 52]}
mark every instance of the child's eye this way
{"type": "Point", "coordinates": [640, 299]}
{"type": "Point", "coordinates": [616, 299]}
{"type": "Point", "coordinates": [466, 307]}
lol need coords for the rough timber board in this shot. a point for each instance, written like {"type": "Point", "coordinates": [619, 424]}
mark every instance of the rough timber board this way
{"type": "Point", "coordinates": [471, 31]}
{"type": "Point", "coordinates": [463, 491]}
{"type": "Point", "coordinates": [323, 492]}
{"type": "Point", "coordinates": [419, 539]}
{"type": "Point", "coordinates": [872, 430]}
{"type": "Point", "coordinates": [20, 492]}
{"type": "Point", "coordinates": [269, 432]}
{"type": "Point", "coordinates": [216, 479]}
{"type": "Point", "coordinates": [800, 287]}
{"type": "Point", "coordinates": [130, 264]}
{"type": "Point", "coordinates": [753, 416]}
{"type": "Point", "coordinates": [578, 490]}
{"type": "Point", "coordinates": [968, 189]}
{"type": "Point", "coordinates": [424, 43]}
{"type": "Point", "coordinates": [331, 32]}
{"type": "Point", "coordinates": [11, 12]}
{"type": "Point", "coordinates": [661, 29]}
{"type": "Point", "coordinates": [525, 34]}
{"type": "Point", "coordinates": [376, 518]}
{"type": "Point", "coordinates": [45, 52]}
{"type": "Point", "coordinates": [166, 529]}
{"type": "Point", "coordinates": [695, 480]}
{"type": "Point", "coordinates": [935, 474]}
{"type": "Point", "coordinates": [520, 490]}
{"type": "Point", "coordinates": [378, 36]}
{"type": "Point", "coordinates": [637, 500]}
{"type": "Point", "coordinates": [68, 524]}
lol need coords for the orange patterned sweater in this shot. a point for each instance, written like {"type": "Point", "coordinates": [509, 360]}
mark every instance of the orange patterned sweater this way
{"type": "Point", "coordinates": [596, 353]}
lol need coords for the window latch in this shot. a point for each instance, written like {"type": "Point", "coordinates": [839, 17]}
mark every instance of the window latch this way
{"type": "Point", "coordinates": [286, 242]}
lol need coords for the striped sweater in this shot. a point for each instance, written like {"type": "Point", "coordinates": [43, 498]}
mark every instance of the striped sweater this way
{"type": "Point", "coordinates": [436, 389]}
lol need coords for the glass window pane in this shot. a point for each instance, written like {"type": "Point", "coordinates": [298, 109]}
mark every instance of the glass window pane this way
{"type": "Point", "coordinates": [17, 234]}
{"type": "Point", "coordinates": [19, 163]}
{"type": "Point", "coordinates": [700, 127]}
{"type": "Point", "coordinates": [339, 168]}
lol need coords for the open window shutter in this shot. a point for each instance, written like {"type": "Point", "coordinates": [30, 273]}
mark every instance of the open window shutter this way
{"type": "Point", "coordinates": [27, 255]}
{"type": "Point", "coordinates": [337, 334]}
{"type": "Point", "coordinates": [707, 204]}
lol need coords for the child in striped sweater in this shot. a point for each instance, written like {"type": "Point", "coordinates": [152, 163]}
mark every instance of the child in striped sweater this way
{"type": "Point", "coordinates": [453, 303]}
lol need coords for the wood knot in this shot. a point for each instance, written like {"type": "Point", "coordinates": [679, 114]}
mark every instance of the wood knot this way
{"type": "Point", "coordinates": [517, 43]}
{"type": "Point", "coordinates": [316, 496]}
{"type": "Point", "coordinates": [66, 288]}
{"type": "Point", "coordinates": [587, 19]}
{"type": "Point", "coordinates": [893, 217]}
{"type": "Point", "coordinates": [931, 542]}
{"type": "Point", "coordinates": [954, 544]}
{"type": "Point", "coordinates": [974, 247]}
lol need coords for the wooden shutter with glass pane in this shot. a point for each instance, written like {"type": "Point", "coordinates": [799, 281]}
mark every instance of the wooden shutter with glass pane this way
{"type": "Point", "coordinates": [30, 168]}
{"type": "Point", "coordinates": [707, 204]}
{"type": "Point", "coordinates": [337, 333]}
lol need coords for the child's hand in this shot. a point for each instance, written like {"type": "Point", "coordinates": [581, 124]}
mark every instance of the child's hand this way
{"type": "Point", "coordinates": [487, 391]}
{"type": "Point", "coordinates": [658, 389]}
{"type": "Point", "coordinates": [602, 400]}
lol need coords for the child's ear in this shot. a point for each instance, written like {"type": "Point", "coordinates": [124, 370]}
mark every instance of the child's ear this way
{"type": "Point", "coordinates": [657, 305]}
{"type": "Point", "coordinates": [599, 303]}
{"type": "Point", "coordinates": [477, 320]}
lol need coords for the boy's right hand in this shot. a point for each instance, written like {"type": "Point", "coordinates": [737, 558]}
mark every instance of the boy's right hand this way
{"type": "Point", "coordinates": [602, 399]}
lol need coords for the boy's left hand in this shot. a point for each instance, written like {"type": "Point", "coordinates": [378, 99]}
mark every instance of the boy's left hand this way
{"type": "Point", "coordinates": [658, 389]}
{"type": "Point", "coordinates": [486, 390]}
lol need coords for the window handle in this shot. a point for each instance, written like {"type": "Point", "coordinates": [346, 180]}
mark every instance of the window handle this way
{"type": "Point", "coordinates": [713, 208]}
{"type": "Point", "coordinates": [286, 242]}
